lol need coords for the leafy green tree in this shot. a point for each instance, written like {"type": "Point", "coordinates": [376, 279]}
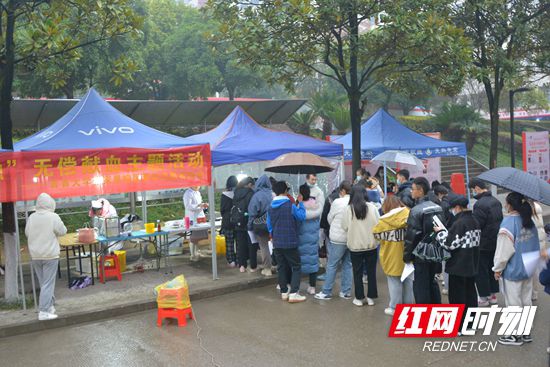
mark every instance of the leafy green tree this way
{"type": "Point", "coordinates": [336, 39]}
{"type": "Point", "coordinates": [460, 122]}
{"type": "Point", "coordinates": [36, 32]}
{"type": "Point", "coordinates": [339, 116]}
{"type": "Point", "coordinates": [534, 99]}
{"type": "Point", "coordinates": [508, 45]}
{"type": "Point", "coordinates": [301, 122]}
{"type": "Point", "coordinates": [323, 103]}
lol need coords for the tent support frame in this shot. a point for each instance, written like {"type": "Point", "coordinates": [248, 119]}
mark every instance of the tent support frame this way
{"type": "Point", "coordinates": [212, 212]}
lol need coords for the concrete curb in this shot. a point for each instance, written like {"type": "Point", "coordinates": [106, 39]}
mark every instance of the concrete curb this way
{"type": "Point", "coordinates": [125, 309]}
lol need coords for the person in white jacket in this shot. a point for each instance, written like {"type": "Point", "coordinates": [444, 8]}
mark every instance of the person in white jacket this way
{"type": "Point", "coordinates": [42, 229]}
{"type": "Point", "coordinates": [337, 249]}
{"type": "Point", "coordinates": [539, 223]}
{"type": "Point", "coordinates": [359, 220]}
{"type": "Point", "coordinates": [194, 209]}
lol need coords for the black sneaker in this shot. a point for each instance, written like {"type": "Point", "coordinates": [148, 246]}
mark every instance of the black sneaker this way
{"type": "Point", "coordinates": [510, 340]}
{"type": "Point", "coordinates": [527, 339]}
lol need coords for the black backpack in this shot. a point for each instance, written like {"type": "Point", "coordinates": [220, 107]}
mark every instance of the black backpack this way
{"type": "Point", "coordinates": [237, 216]}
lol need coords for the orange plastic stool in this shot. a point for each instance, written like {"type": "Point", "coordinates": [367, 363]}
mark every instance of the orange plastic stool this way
{"type": "Point", "coordinates": [174, 313]}
{"type": "Point", "coordinates": [110, 271]}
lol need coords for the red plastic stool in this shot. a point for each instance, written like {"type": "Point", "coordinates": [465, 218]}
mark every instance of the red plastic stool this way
{"type": "Point", "coordinates": [174, 313]}
{"type": "Point", "coordinates": [111, 270]}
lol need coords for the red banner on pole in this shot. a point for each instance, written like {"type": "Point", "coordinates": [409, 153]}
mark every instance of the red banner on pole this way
{"type": "Point", "coordinates": [60, 173]}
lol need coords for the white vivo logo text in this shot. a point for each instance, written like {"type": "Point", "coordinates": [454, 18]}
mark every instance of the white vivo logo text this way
{"type": "Point", "coordinates": [101, 130]}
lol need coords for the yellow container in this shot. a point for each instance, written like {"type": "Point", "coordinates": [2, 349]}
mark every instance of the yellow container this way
{"type": "Point", "coordinates": [220, 245]}
{"type": "Point", "coordinates": [149, 227]}
{"type": "Point", "coordinates": [121, 260]}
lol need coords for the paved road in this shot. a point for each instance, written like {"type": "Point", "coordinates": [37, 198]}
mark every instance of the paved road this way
{"type": "Point", "coordinates": [255, 328]}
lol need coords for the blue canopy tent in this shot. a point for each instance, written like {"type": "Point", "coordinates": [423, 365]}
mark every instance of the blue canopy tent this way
{"type": "Point", "coordinates": [240, 139]}
{"type": "Point", "coordinates": [94, 124]}
{"type": "Point", "coordinates": [383, 132]}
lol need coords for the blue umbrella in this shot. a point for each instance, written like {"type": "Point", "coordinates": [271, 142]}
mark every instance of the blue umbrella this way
{"type": "Point", "coordinates": [519, 181]}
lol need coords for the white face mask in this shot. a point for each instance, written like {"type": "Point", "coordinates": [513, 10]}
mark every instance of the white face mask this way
{"type": "Point", "coordinates": [358, 178]}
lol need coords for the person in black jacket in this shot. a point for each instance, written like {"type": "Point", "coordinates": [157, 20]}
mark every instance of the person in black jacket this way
{"type": "Point", "coordinates": [325, 229]}
{"type": "Point", "coordinates": [441, 198]}
{"type": "Point", "coordinates": [245, 249]}
{"type": "Point", "coordinates": [227, 228]}
{"type": "Point", "coordinates": [419, 225]}
{"type": "Point", "coordinates": [488, 213]}
{"type": "Point", "coordinates": [462, 239]}
{"type": "Point", "coordinates": [404, 188]}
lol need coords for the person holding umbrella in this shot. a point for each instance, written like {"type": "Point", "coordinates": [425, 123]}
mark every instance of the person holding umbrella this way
{"type": "Point", "coordinates": [517, 235]}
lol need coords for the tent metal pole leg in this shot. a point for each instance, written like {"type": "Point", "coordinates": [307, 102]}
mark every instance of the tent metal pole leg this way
{"type": "Point", "coordinates": [33, 284]}
{"type": "Point", "coordinates": [212, 211]}
{"type": "Point", "coordinates": [385, 180]}
{"type": "Point", "coordinates": [342, 170]}
{"type": "Point", "coordinates": [144, 206]}
{"type": "Point", "coordinates": [19, 260]}
{"type": "Point", "coordinates": [467, 176]}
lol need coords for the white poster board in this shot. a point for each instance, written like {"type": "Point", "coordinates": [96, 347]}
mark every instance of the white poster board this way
{"type": "Point", "coordinates": [536, 154]}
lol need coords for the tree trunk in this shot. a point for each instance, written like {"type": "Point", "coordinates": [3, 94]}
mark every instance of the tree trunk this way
{"type": "Point", "coordinates": [355, 115]}
{"type": "Point", "coordinates": [493, 99]}
{"type": "Point", "coordinates": [6, 83]}
{"type": "Point", "coordinates": [231, 93]}
{"type": "Point", "coordinates": [354, 94]}
{"type": "Point", "coordinates": [327, 128]}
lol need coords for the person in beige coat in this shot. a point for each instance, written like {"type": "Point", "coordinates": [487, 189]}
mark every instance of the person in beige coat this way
{"type": "Point", "coordinates": [42, 229]}
{"type": "Point", "coordinates": [359, 220]}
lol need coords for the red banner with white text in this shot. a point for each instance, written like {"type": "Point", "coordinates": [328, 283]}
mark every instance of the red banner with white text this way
{"type": "Point", "coordinates": [61, 173]}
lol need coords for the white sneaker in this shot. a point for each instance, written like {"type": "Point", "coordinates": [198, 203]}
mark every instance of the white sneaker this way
{"type": "Point", "coordinates": [267, 272]}
{"type": "Point", "coordinates": [322, 295]}
{"type": "Point", "coordinates": [370, 301]}
{"type": "Point", "coordinates": [284, 296]}
{"type": "Point", "coordinates": [296, 297]}
{"type": "Point", "coordinates": [45, 316]}
{"type": "Point", "coordinates": [311, 290]}
{"type": "Point", "coordinates": [345, 295]}
{"type": "Point", "coordinates": [389, 311]}
{"type": "Point", "coordinates": [51, 310]}
{"type": "Point", "coordinates": [357, 302]}
{"type": "Point", "coordinates": [534, 297]}
{"type": "Point", "coordinates": [365, 279]}
{"type": "Point", "coordinates": [278, 287]}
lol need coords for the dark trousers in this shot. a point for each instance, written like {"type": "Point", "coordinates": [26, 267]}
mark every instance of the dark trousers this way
{"type": "Point", "coordinates": [425, 287]}
{"type": "Point", "coordinates": [288, 264]}
{"type": "Point", "coordinates": [312, 279]}
{"type": "Point", "coordinates": [246, 250]}
{"type": "Point", "coordinates": [485, 278]}
{"type": "Point", "coordinates": [357, 259]}
{"type": "Point", "coordinates": [230, 246]}
{"type": "Point", "coordinates": [462, 290]}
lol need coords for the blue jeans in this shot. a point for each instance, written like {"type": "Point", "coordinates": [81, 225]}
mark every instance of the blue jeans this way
{"type": "Point", "coordinates": [338, 254]}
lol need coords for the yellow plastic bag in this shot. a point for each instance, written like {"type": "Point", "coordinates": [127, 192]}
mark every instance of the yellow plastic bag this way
{"type": "Point", "coordinates": [173, 294]}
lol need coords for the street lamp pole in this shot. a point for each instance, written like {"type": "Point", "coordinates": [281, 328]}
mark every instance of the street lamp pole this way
{"type": "Point", "coordinates": [512, 140]}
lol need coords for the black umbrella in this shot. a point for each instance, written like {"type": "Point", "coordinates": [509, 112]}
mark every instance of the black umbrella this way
{"type": "Point", "coordinates": [299, 163]}
{"type": "Point", "coordinates": [519, 181]}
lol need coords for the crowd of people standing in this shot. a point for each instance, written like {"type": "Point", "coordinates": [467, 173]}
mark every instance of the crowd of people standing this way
{"type": "Point", "coordinates": [357, 226]}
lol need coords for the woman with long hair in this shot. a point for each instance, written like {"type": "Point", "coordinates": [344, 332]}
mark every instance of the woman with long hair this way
{"type": "Point", "coordinates": [359, 220]}
{"type": "Point", "coordinates": [227, 229]}
{"type": "Point", "coordinates": [517, 235]}
{"type": "Point", "coordinates": [390, 231]}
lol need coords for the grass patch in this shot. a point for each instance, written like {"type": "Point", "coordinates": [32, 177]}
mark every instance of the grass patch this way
{"type": "Point", "coordinates": [480, 152]}
{"type": "Point", "coordinates": [16, 305]}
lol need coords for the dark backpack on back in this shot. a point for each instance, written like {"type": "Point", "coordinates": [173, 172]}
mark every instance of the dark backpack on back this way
{"type": "Point", "coordinates": [237, 216]}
